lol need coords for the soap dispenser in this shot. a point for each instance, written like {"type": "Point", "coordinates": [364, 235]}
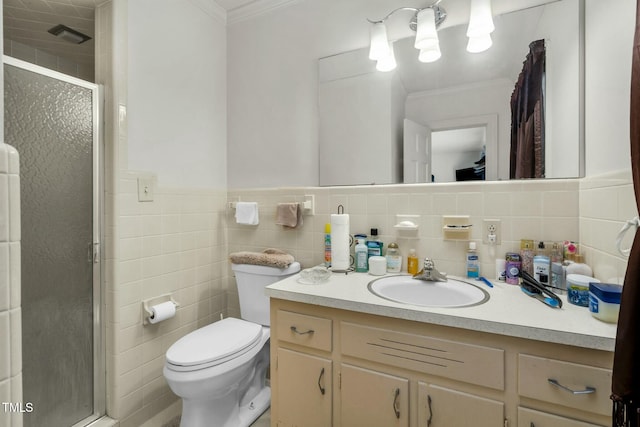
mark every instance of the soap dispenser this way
{"type": "Point", "coordinates": [361, 258]}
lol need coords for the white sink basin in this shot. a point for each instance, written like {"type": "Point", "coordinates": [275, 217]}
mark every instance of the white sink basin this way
{"type": "Point", "coordinates": [407, 290]}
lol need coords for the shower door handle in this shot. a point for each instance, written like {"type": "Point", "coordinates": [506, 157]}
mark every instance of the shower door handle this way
{"type": "Point", "coordinates": [95, 253]}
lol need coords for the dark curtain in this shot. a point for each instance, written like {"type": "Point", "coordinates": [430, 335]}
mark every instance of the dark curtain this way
{"type": "Point", "coordinates": [626, 362]}
{"type": "Point", "coordinates": [527, 117]}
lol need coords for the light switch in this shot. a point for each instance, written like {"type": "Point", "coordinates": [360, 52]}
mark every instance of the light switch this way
{"type": "Point", "coordinates": [145, 189]}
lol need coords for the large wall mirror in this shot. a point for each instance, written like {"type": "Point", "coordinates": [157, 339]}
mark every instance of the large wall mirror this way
{"type": "Point", "coordinates": [450, 120]}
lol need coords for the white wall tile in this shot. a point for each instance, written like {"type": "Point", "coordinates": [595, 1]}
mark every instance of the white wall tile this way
{"type": "Point", "coordinates": [4, 208]}
{"type": "Point", "coordinates": [15, 319]}
{"type": "Point", "coordinates": [5, 277]}
{"type": "Point", "coordinates": [14, 208]}
{"type": "Point", "coordinates": [5, 346]}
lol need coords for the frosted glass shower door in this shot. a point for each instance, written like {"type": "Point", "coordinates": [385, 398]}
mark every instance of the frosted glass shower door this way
{"type": "Point", "coordinates": [51, 122]}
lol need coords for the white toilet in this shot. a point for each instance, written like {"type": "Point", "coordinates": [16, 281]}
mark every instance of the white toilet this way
{"type": "Point", "coordinates": [219, 370]}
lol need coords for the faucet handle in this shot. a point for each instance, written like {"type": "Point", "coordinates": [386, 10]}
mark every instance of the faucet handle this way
{"type": "Point", "coordinates": [428, 264]}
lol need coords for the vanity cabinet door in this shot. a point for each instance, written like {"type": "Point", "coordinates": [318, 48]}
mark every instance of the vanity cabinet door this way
{"type": "Point", "coordinates": [530, 418]}
{"type": "Point", "coordinates": [373, 399]}
{"type": "Point", "coordinates": [304, 390]}
{"type": "Point", "coordinates": [443, 407]}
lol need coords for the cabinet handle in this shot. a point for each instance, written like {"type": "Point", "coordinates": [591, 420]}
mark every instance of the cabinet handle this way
{"type": "Point", "coordinates": [320, 380]}
{"type": "Point", "coordinates": [430, 411]}
{"type": "Point", "coordinates": [296, 331]}
{"type": "Point", "coordinates": [587, 389]}
{"type": "Point", "coordinates": [396, 403]}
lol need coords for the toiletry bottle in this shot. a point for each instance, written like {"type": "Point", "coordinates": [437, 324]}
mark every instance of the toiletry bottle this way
{"type": "Point", "coordinates": [473, 263]}
{"type": "Point", "coordinates": [374, 244]}
{"type": "Point", "coordinates": [578, 266]}
{"type": "Point", "coordinates": [513, 266]}
{"type": "Point", "coordinates": [556, 253]}
{"type": "Point", "coordinates": [569, 249]}
{"type": "Point", "coordinates": [526, 255]}
{"type": "Point", "coordinates": [541, 269]}
{"type": "Point", "coordinates": [327, 245]}
{"type": "Point", "coordinates": [412, 262]}
{"type": "Point", "coordinates": [394, 259]}
{"type": "Point", "coordinates": [362, 266]}
{"type": "Point", "coordinates": [542, 250]}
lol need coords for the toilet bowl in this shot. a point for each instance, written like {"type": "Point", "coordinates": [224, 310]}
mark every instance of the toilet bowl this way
{"type": "Point", "coordinates": [220, 370]}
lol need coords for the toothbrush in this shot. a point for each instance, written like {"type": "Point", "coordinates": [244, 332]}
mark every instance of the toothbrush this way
{"type": "Point", "coordinates": [486, 281]}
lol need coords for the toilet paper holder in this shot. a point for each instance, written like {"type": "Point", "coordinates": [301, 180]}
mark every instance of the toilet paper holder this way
{"type": "Point", "coordinates": [148, 303]}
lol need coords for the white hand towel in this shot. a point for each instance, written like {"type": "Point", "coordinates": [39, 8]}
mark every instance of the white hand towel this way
{"type": "Point", "coordinates": [247, 213]}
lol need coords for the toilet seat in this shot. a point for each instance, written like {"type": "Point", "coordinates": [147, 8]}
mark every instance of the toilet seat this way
{"type": "Point", "coordinates": [213, 344]}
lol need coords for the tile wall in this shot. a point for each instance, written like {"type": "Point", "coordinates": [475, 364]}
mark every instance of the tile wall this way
{"type": "Point", "coordinates": [36, 56]}
{"type": "Point", "coordinates": [10, 314]}
{"type": "Point", "coordinates": [176, 245]}
{"type": "Point", "coordinates": [540, 210]}
{"type": "Point", "coordinates": [606, 202]}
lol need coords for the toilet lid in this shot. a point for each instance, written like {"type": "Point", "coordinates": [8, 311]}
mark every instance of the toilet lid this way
{"type": "Point", "coordinates": [215, 342]}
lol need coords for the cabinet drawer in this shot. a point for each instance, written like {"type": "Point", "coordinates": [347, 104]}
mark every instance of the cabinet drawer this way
{"type": "Point", "coordinates": [530, 418]}
{"type": "Point", "coordinates": [592, 385]}
{"type": "Point", "coordinates": [463, 362]}
{"type": "Point", "coordinates": [301, 329]}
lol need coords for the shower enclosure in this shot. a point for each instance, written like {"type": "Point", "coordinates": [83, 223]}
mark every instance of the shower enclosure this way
{"type": "Point", "coordinates": [53, 121]}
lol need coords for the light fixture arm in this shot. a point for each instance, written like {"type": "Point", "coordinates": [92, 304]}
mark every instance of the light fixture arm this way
{"type": "Point", "coordinates": [413, 9]}
{"type": "Point", "coordinates": [440, 13]}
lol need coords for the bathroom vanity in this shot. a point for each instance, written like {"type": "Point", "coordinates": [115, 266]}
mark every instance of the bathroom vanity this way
{"type": "Point", "coordinates": [341, 356]}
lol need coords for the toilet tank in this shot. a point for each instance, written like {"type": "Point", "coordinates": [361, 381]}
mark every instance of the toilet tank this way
{"type": "Point", "coordinates": [251, 281]}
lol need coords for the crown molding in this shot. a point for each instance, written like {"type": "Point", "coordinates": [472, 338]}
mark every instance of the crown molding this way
{"type": "Point", "coordinates": [255, 8]}
{"type": "Point", "coordinates": [212, 8]}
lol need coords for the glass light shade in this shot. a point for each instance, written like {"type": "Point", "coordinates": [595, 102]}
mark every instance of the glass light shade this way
{"type": "Point", "coordinates": [431, 54]}
{"type": "Point", "coordinates": [480, 19]}
{"type": "Point", "coordinates": [479, 44]}
{"type": "Point", "coordinates": [388, 63]}
{"type": "Point", "coordinates": [379, 42]}
{"type": "Point", "coordinates": [426, 33]}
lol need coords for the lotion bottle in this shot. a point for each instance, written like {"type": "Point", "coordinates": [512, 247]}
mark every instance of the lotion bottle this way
{"type": "Point", "coordinates": [394, 259]}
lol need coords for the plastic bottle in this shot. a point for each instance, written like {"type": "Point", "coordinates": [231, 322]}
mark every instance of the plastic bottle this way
{"type": "Point", "coordinates": [327, 245]}
{"type": "Point", "coordinates": [578, 266]}
{"type": "Point", "coordinates": [394, 259]}
{"type": "Point", "coordinates": [526, 255]}
{"type": "Point", "coordinates": [473, 263]}
{"type": "Point", "coordinates": [374, 244]}
{"type": "Point", "coordinates": [412, 262]}
{"type": "Point", "coordinates": [542, 269]}
{"type": "Point", "coordinates": [361, 253]}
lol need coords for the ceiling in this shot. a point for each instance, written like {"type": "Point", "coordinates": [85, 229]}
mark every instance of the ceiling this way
{"type": "Point", "coordinates": [27, 22]}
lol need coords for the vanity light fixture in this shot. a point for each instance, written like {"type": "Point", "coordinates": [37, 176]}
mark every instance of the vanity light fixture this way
{"type": "Point", "coordinates": [425, 22]}
{"type": "Point", "coordinates": [480, 26]}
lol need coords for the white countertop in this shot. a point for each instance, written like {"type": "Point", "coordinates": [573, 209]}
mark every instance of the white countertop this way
{"type": "Point", "coordinates": [508, 312]}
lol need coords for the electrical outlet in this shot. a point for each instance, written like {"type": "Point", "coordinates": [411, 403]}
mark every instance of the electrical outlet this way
{"type": "Point", "coordinates": [491, 232]}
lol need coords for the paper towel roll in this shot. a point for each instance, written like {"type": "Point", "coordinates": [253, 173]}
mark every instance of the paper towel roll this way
{"type": "Point", "coordinates": [340, 242]}
{"type": "Point", "coordinates": [163, 311]}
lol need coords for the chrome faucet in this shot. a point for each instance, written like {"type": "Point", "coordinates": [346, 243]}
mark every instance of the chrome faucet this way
{"type": "Point", "coordinates": [429, 272]}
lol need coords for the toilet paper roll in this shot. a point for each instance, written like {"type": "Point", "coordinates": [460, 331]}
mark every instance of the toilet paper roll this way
{"type": "Point", "coordinates": [340, 242]}
{"type": "Point", "coordinates": [163, 311]}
